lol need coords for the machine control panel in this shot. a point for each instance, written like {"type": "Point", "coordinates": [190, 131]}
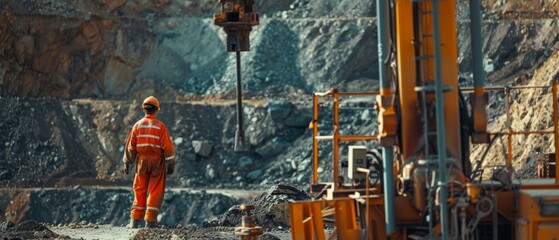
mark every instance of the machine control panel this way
{"type": "Point", "coordinates": [357, 159]}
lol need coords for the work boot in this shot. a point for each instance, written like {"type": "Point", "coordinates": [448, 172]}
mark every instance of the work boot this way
{"type": "Point", "coordinates": [151, 225]}
{"type": "Point", "coordinates": [133, 223]}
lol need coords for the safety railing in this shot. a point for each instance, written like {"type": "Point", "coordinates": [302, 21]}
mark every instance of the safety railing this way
{"type": "Point", "coordinates": [509, 132]}
{"type": "Point", "coordinates": [336, 138]}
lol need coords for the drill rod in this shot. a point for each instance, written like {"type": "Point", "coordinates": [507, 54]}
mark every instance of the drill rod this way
{"type": "Point", "coordinates": [239, 133]}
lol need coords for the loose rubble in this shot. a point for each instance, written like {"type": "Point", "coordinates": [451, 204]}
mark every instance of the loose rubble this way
{"type": "Point", "coordinates": [28, 230]}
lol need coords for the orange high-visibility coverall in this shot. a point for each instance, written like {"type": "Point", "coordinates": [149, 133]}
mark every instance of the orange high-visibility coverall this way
{"type": "Point", "coordinates": [150, 144]}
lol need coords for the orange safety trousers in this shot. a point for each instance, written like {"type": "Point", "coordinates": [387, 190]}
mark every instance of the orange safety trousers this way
{"type": "Point", "coordinates": [149, 187]}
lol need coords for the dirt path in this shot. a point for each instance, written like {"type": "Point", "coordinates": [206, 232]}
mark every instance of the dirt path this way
{"type": "Point", "coordinates": [100, 232]}
{"type": "Point", "coordinates": [106, 232]}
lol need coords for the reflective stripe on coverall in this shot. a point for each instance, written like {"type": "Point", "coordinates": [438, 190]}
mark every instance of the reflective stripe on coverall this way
{"type": "Point", "coordinates": [150, 144]}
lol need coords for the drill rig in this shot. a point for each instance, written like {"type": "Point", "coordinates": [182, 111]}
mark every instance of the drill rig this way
{"type": "Point", "coordinates": [237, 19]}
{"type": "Point", "coordinates": [428, 188]}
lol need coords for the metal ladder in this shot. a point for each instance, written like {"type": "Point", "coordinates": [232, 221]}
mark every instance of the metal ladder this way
{"type": "Point", "coordinates": [429, 58]}
{"type": "Point", "coordinates": [424, 59]}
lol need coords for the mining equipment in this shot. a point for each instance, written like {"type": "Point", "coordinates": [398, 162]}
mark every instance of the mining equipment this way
{"type": "Point", "coordinates": [248, 229]}
{"type": "Point", "coordinates": [427, 188]}
{"type": "Point", "coordinates": [237, 19]}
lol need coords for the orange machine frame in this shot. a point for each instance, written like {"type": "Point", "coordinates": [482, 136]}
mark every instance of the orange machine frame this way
{"type": "Point", "coordinates": [358, 213]}
{"type": "Point", "coordinates": [307, 217]}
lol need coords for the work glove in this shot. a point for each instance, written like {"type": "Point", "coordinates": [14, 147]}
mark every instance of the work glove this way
{"type": "Point", "coordinates": [126, 168]}
{"type": "Point", "coordinates": [170, 169]}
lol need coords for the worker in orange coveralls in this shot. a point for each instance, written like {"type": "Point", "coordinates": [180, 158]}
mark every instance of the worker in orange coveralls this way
{"type": "Point", "coordinates": [149, 143]}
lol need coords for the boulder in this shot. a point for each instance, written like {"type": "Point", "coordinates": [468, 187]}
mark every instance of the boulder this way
{"type": "Point", "coordinates": [273, 148]}
{"type": "Point", "coordinates": [245, 161]}
{"type": "Point", "coordinates": [279, 109]}
{"type": "Point", "coordinates": [6, 225]}
{"type": "Point", "coordinates": [178, 141]}
{"type": "Point", "coordinates": [260, 131]}
{"type": "Point", "coordinates": [255, 174]}
{"type": "Point", "coordinates": [202, 148]}
{"type": "Point", "coordinates": [299, 118]}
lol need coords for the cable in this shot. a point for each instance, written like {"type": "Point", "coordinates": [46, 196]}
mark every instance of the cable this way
{"type": "Point", "coordinates": [477, 172]}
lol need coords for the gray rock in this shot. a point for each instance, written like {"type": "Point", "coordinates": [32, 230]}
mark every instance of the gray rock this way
{"type": "Point", "coordinates": [273, 148]}
{"type": "Point", "coordinates": [210, 172]}
{"type": "Point", "coordinates": [279, 109]}
{"type": "Point", "coordinates": [6, 225]}
{"type": "Point", "coordinates": [260, 131]}
{"type": "Point", "coordinates": [293, 164]}
{"type": "Point", "coordinates": [267, 236]}
{"type": "Point", "coordinates": [366, 115]}
{"type": "Point", "coordinates": [202, 148]}
{"type": "Point", "coordinates": [255, 174]}
{"type": "Point", "coordinates": [245, 161]}
{"type": "Point", "coordinates": [301, 178]}
{"type": "Point", "coordinates": [178, 141]}
{"type": "Point", "coordinates": [299, 118]}
{"type": "Point", "coordinates": [190, 157]}
{"type": "Point", "coordinates": [5, 175]}
{"type": "Point", "coordinates": [304, 165]}
{"type": "Point", "coordinates": [73, 109]}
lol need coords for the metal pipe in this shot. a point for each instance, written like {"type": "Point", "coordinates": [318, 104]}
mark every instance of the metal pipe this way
{"type": "Point", "coordinates": [367, 204]}
{"type": "Point", "coordinates": [441, 133]}
{"type": "Point", "coordinates": [477, 57]}
{"type": "Point", "coordinates": [239, 133]}
{"type": "Point", "coordinates": [347, 138]}
{"type": "Point", "coordinates": [382, 40]}
{"type": "Point", "coordinates": [388, 185]}
{"type": "Point", "coordinates": [556, 130]}
{"type": "Point", "coordinates": [509, 133]}
{"type": "Point", "coordinates": [359, 94]}
{"type": "Point", "coordinates": [336, 139]}
{"type": "Point", "coordinates": [387, 152]}
{"type": "Point", "coordinates": [495, 217]}
{"type": "Point", "coordinates": [357, 138]}
{"type": "Point", "coordinates": [315, 140]}
{"type": "Point", "coordinates": [329, 93]}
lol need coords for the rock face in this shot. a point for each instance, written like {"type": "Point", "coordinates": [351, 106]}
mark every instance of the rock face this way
{"type": "Point", "coordinates": [530, 110]}
{"type": "Point", "coordinates": [129, 48]}
{"type": "Point", "coordinates": [39, 144]}
{"type": "Point", "coordinates": [67, 58]}
{"type": "Point", "coordinates": [47, 142]}
{"type": "Point", "coordinates": [515, 47]}
{"type": "Point", "coordinates": [123, 49]}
